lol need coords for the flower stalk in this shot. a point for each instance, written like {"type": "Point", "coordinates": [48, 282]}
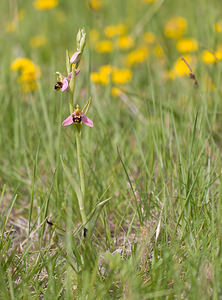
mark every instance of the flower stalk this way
{"type": "Point", "coordinates": [72, 94]}
{"type": "Point", "coordinates": [77, 117]}
{"type": "Point", "coordinates": [81, 175]}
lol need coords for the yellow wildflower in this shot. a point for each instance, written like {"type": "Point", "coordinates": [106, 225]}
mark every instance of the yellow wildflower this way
{"type": "Point", "coordinates": [208, 57]}
{"type": "Point", "coordinates": [125, 42]}
{"type": "Point", "coordinates": [95, 4]}
{"type": "Point", "coordinates": [148, 1]}
{"type": "Point", "coordinates": [218, 26]}
{"type": "Point", "coordinates": [158, 51]}
{"type": "Point", "coordinates": [93, 36]}
{"type": "Point", "coordinates": [11, 26]}
{"type": "Point", "coordinates": [175, 27]}
{"type": "Point", "coordinates": [114, 30]}
{"type": "Point", "coordinates": [38, 41]}
{"type": "Point", "coordinates": [116, 92]}
{"type": "Point", "coordinates": [45, 4]}
{"type": "Point", "coordinates": [121, 76]}
{"type": "Point", "coordinates": [20, 63]}
{"type": "Point", "coordinates": [187, 45]}
{"type": "Point", "coordinates": [104, 46]}
{"type": "Point", "coordinates": [104, 79]}
{"type": "Point", "coordinates": [103, 76]}
{"type": "Point", "coordinates": [29, 73]}
{"type": "Point", "coordinates": [180, 68]}
{"type": "Point", "coordinates": [218, 53]}
{"type": "Point", "coordinates": [149, 37]}
{"type": "Point", "coordinates": [137, 56]}
{"type": "Point", "coordinates": [170, 75]}
{"type": "Point", "coordinates": [29, 86]}
{"type": "Point", "coordinates": [106, 70]}
{"type": "Point", "coordinates": [95, 77]}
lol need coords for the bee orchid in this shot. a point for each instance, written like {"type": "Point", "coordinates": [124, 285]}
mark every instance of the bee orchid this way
{"type": "Point", "coordinates": [63, 82]}
{"type": "Point", "coordinates": [77, 117]}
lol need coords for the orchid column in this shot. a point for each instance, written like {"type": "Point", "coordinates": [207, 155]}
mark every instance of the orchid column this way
{"type": "Point", "coordinates": [77, 116]}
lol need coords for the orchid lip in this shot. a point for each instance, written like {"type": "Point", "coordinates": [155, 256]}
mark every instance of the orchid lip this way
{"type": "Point", "coordinates": [65, 85]}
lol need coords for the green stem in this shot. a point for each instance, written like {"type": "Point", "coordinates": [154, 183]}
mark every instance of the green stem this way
{"type": "Point", "coordinates": [79, 152]}
{"type": "Point", "coordinates": [81, 174]}
{"type": "Point", "coordinates": [72, 93]}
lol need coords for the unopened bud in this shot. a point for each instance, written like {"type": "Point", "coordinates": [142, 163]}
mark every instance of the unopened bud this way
{"type": "Point", "coordinates": [78, 38]}
{"type": "Point", "coordinates": [81, 40]}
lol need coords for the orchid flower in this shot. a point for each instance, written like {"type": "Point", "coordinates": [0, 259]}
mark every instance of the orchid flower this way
{"type": "Point", "coordinates": [63, 82]}
{"type": "Point", "coordinates": [77, 117]}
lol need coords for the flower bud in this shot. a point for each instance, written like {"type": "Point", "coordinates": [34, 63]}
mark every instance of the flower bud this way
{"type": "Point", "coordinates": [81, 40]}
{"type": "Point", "coordinates": [78, 38]}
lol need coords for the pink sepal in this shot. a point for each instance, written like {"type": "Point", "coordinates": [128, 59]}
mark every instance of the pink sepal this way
{"type": "Point", "coordinates": [87, 121]}
{"type": "Point", "coordinates": [67, 121]}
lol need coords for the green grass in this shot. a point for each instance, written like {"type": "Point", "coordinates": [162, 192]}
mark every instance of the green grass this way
{"type": "Point", "coordinates": [159, 234]}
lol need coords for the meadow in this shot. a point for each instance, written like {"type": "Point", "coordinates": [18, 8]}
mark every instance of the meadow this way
{"type": "Point", "coordinates": [128, 207]}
